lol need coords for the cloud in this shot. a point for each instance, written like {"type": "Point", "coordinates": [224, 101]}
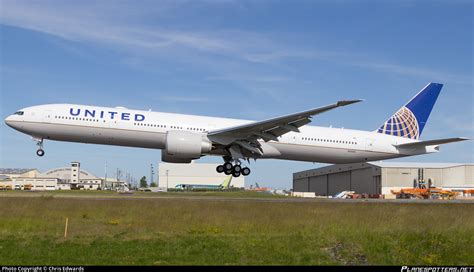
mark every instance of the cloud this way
{"type": "Point", "coordinates": [459, 123]}
{"type": "Point", "coordinates": [75, 23]}
{"type": "Point", "coordinates": [183, 99]}
{"type": "Point", "coordinates": [260, 78]}
{"type": "Point", "coordinates": [119, 26]}
{"type": "Point", "coordinates": [93, 24]}
{"type": "Point", "coordinates": [416, 71]}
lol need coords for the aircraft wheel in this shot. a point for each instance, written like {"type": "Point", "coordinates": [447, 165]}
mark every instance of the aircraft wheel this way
{"type": "Point", "coordinates": [237, 168]}
{"type": "Point", "coordinates": [227, 166]}
{"type": "Point", "coordinates": [236, 174]}
{"type": "Point", "coordinates": [40, 152]}
{"type": "Point", "coordinates": [220, 169]}
{"type": "Point", "coordinates": [228, 172]}
{"type": "Point", "coordinates": [245, 171]}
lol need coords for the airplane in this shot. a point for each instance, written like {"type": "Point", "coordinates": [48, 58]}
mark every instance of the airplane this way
{"type": "Point", "coordinates": [257, 188]}
{"type": "Point", "coordinates": [224, 185]}
{"type": "Point", "coordinates": [183, 138]}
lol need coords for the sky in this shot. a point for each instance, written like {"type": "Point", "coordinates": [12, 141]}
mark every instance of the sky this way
{"type": "Point", "coordinates": [237, 59]}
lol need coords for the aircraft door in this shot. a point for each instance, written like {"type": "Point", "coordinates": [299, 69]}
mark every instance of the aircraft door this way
{"type": "Point", "coordinates": [369, 144]}
{"type": "Point", "coordinates": [111, 135]}
{"type": "Point", "coordinates": [47, 116]}
{"type": "Point", "coordinates": [292, 137]}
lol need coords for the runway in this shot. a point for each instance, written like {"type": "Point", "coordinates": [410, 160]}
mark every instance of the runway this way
{"type": "Point", "coordinates": [187, 196]}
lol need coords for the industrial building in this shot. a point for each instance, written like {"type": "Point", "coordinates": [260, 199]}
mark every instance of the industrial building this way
{"type": "Point", "coordinates": [17, 178]}
{"type": "Point", "coordinates": [170, 175]}
{"type": "Point", "coordinates": [63, 178]}
{"type": "Point", "coordinates": [382, 177]}
{"type": "Point", "coordinates": [11, 173]}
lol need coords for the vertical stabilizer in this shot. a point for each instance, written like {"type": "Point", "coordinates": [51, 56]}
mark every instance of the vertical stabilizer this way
{"type": "Point", "coordinates": [410, 120]}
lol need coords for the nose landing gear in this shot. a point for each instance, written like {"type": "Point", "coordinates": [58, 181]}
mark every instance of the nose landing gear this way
{"type": "Point", "coordinates": [39, 143]}
{"type": "Point", "coordinates": [235, 170]}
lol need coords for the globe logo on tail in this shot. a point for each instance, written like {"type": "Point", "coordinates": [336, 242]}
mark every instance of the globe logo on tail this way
{"type": "Point", "coordinates": [403, 124]}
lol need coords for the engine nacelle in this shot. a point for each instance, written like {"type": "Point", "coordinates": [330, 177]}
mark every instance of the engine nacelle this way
{"type": "Point", "coordinates": [184, 146]}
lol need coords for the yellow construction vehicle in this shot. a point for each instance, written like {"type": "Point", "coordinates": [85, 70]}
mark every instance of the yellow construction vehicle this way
{"type": "Point", "coordinates": [429, 193]}
{"type": "Point", "coordinates": [423, 189]}
{"type": "Point", "coordinates": [407, 193]}
{"type": "Point", "coordinates": [443, 194]}
{"type": "Point", "coordinates": [468, 192]}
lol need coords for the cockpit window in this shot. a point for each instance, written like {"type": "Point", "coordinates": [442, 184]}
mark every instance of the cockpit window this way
{"type": "Point", "coordinates": [18, 113]}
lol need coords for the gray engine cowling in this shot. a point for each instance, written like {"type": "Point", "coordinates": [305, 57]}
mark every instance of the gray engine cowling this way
{"type": "Point", "coordinates": [184, 146]}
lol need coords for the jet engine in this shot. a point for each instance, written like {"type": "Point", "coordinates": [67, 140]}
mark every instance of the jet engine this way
{"type": "Point", "coordinates": [184, 146]}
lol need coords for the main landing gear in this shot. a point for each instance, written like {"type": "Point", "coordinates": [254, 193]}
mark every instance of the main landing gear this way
{"type": "Point", "coordinates": [39, 143]}
{"type": "Point", "coordinates": [235, 170]}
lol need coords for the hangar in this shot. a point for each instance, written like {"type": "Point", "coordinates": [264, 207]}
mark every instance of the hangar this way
{"type": "Point", "coordinates": [382, 177]}
{"type": "Point", "coordinates": [74, 177]}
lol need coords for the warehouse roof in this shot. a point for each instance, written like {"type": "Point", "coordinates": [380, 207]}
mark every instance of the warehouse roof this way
{"type": "Point", "coordinates": [15, 170]}
{"type": "Point", "coordinates": [4, 177]}
{"type": "Point", "coordinates": [66, 171]}
{"type": "Point", "coordinates": [335, 168]}
{"type": "Point", "coordinates": [417, 164]}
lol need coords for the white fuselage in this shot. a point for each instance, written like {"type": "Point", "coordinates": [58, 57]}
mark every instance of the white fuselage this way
{"type": "Point", "coordinates": [147, 129]}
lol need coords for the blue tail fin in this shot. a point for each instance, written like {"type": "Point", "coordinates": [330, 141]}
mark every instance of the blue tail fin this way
{"type": "Point", "coordinates": [410, 120]}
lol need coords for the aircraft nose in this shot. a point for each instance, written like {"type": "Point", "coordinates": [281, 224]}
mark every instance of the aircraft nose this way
{"type": "Point", "coordinates": [8, 121]}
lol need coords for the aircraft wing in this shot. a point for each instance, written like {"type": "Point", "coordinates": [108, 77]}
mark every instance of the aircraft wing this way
{"type": "Point", "coordinates": [269, 129]}
{"type": "Point", "coordinates": [431, 142]}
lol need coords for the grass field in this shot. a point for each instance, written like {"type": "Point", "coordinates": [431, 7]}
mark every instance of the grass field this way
{"type": "Point", "coordinates": [154, 231]}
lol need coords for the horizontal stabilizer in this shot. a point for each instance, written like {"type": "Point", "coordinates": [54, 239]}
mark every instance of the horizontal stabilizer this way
{"type": "Point", "coordinates": [431, 142]}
